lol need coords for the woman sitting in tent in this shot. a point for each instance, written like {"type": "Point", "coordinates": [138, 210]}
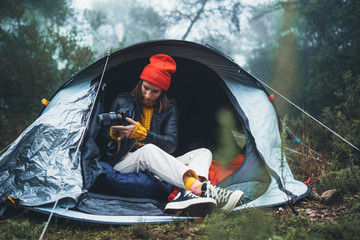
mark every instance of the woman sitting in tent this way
{"type": "Point", "coordinates": [150, 134]}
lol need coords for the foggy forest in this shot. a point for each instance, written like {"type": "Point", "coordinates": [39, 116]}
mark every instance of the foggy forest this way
{"type": "Point", "coordinates": [305, 52]}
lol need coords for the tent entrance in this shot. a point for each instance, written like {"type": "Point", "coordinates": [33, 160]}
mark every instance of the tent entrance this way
{"type": "Point", "coordinates": [207, 118]}
{"type": "Point", "coordinates": [199, 96]}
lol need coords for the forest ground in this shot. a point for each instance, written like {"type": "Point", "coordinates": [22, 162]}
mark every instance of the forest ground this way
{"type": "Point", "coordinates": [305, 219]}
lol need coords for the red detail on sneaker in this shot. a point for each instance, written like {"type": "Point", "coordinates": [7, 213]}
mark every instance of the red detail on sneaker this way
{"type": "Point", "coordinates": [173, 194]}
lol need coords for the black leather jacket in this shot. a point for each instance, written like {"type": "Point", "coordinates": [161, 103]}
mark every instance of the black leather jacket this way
{"type": "Point", "coordinates": [163, 133]}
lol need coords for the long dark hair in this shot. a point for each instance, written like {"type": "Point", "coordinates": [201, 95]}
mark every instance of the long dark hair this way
{"type": "Point", "coordinates": [163, 100]}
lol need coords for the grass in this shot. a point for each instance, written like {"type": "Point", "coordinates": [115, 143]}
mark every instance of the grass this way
{"type": "Point", "coordinates": [339, 221]}
{"type": "Point", "coordinates": [26, 224]}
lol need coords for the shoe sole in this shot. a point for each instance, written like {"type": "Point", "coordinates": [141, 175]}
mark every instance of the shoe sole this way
{"type": "Point", "coordinates": [196, 207]}
{"type": "Point", "coordinates": [233, 200]}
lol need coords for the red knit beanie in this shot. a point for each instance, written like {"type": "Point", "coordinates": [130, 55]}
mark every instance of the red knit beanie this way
{"type": "Point", "coordinates": [159, 70]}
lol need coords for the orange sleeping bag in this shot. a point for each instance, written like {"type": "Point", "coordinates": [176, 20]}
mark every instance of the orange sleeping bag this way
{"type": "Point", "coordinates": [218, 171]}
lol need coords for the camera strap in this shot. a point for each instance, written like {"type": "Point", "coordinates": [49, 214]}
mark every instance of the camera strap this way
{"type": "Point", "coordinates": [118, 148]}
{"type": "Point", "coordinates": [109, 147]}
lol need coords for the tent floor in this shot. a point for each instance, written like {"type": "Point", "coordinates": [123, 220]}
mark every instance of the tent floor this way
{"type": "Point", "coordinates": [107, 219]}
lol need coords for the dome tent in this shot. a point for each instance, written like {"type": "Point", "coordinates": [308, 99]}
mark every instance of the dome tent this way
{"type": "Point", "coordinates": [44, 165]}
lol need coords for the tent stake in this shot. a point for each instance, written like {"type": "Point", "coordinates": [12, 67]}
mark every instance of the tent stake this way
{"type": "Point", "coordinates": [291, 206]}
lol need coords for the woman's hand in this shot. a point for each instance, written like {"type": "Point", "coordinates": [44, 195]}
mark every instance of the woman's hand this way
{"type": "Point", "coordinates": [125, 130]}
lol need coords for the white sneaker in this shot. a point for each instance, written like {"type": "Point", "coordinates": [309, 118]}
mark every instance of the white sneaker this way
{"type": "Point", "coordinates": [225, 199]}
{"type": "Point", "coordinates": [187, 203]}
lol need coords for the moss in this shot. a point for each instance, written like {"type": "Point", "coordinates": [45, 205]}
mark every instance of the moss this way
{"type": "Point", "coordinates": [23, 229]}
{"type": "Point", "coordinates": [336, 230]}
{"type": "Point", "coordinates": [345, 181]}
{"type": "Point", "coordinates": [245, 224]}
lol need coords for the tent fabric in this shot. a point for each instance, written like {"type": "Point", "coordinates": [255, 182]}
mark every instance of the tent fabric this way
{"type": "Point", "coordinates": [115, 205]}
{"type": "Point", "coordinates": [109, 219]}
{"type": "Point", "coordinates": [41, 161]}
{"type": "Point", "coordinates": [40, 166]}
{"type": "Point", "coordinates": [264, 128]}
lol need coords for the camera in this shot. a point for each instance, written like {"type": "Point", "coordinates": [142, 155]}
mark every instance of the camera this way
{"type": "Point", "coordinates": [111, 119]}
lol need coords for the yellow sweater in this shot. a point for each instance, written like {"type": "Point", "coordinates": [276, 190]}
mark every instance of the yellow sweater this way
{"type": "Point", "coordinates": [140, 131]}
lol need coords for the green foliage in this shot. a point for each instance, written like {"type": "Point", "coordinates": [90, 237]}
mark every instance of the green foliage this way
{"type": "Point", "coordinates": [261, 64]}
{"type": "Point", "coordinates": [352, 206]}
{"type": "Point", "coordinates": [140, 231]}
{"type": "Point", "coordinates": [69, 55]}
{"type": "Point", "coordinates": [318, 153]}
{"type": "Point", "coordinates": [344, 118]}
{"type": "Point", "coordinates": [95, 18]}
{"type": "Point", "coordinates": [345, 181]}
{"type": "Point", "coordinates": [321, 150]}
{"type": "Point", "coordinates": [246, 224]}
{"type": "Point", "coordinates": [303, 158]}
{"type": "Point", "coordinates": [262, 224]}
{"type": "Point", "coordinates": [35, 58]}
{"type": "Point", "coordinates": [328, 40]}
{"type": "Point", "coordinates": [27, 70]}
{"type": "Point", "coordinates": [329, 46]}
{"type": "Point", "coordinates": [23, 229]}
{"type": "Point", "coordinates": [57, 11]}
{"type": "Point", "coordinates": [292, 227]}
{"type": "Point", "coordinates": [336, 230]}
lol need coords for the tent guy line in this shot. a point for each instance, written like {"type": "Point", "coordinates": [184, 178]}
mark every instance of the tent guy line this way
{"type": "Point", "coordinates": [313, 118]}
{"type": "Point", "coordinates": [78, 146]}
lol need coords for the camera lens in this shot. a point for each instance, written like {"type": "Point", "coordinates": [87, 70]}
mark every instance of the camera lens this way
{"type": "Point", "coordinates": [109, 119]}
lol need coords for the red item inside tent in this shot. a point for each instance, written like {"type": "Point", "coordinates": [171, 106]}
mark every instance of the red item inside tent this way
{"type": "Point", "coordinates": [218, 171]}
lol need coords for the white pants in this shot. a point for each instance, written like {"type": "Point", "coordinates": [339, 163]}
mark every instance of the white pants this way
{"type": "Point", "coordinates": [165, 166]}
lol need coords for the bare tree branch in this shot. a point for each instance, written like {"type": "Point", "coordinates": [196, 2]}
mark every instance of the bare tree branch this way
{"type": "Point", "coordinates": [203, 2]}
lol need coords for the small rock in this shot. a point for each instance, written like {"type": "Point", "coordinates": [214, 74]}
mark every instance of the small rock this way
{"type": "Point", "coordinates": [308, 211]}
{"type": "Point", "coordinates": [315, 215]}
{"type": "Point", "coordinates": [280, 210]}
{"type": "Point", "coordinates": [331, 196]}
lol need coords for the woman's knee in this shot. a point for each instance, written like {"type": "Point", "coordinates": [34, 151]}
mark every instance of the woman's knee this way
{"type": "Point", "coordinates": [206, 151]}
{"type": "Point", "coordinates": [151, 148]}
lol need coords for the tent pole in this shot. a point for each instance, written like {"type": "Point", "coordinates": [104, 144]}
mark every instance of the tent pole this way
{"type": "Point", "coordinates": [80, 143]}
{"type": "Point", "coordinates": [5, 149]}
